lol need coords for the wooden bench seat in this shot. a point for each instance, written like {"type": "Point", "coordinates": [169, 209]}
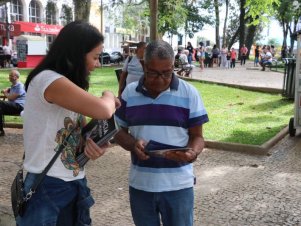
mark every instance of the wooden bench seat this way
{"type": "Point", "coordinates": [3, 98]}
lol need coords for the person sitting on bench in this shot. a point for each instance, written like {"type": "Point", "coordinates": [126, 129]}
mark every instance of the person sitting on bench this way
{"type": "Point", "coordinates": [266, 59]}
{"type": "Point", "coordinates": [15, 96]}
{"type": "Point", "coordinates": [186, 68]}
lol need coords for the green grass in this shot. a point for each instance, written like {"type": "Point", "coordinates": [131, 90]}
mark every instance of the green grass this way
{"type": "Point", "coordinates": [235, 115]}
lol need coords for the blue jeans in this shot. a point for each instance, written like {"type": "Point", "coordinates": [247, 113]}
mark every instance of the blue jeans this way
{"type": "Point", "coordinates": [56, 202]}
{"type": "Point", "coordinates": [175, 207]}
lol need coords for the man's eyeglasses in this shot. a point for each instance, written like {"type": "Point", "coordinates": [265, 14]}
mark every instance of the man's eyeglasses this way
{"type": "Point", "coordinates": [165, 75]}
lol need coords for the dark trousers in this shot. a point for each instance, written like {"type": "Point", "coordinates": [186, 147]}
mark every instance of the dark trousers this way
{"type": "Point", "coordinates": [232, 64]}
{"type": "Point", "coordinates": [243, 60]}
{"type": "Point", "coordinates": [8, 108]}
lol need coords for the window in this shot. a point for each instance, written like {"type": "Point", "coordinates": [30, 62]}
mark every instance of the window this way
{"type": "Point", "coordinates": [66, 15]}
{"type": "Point", "coordinates": [50, 13]}
{"type": "Point", "coordinates": [16, 10]}
{"type": "Point", "coordinates": [2, 13]}
{"type": "Point", "coordinates": [34, 12]}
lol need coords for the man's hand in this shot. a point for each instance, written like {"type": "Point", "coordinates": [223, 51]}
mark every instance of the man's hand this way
{"type": "Point", "coordinates": [181, 156]}
{"type": "Point", "coordinates": [5, 91]}
{"type": "Point", "coordinates": [139, 150]}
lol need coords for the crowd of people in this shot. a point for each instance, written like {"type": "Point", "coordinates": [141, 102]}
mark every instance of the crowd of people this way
{"type": "Point", "coordinates": [226, 58]}
{"type": "Point", "coordinates": [210, 57]}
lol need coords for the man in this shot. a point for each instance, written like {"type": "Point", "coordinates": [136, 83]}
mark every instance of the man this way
{"type": "Point", "coordinates": [166, 111]}
{"type": "Point", "coordinates": [266, 58]}
{"type": "Point", "coordinates": [186, 67]}
{"type": "Point", "coordinates": [133, 68]}
{"type": "Point", "coordinates": [7, 52]}
{"type": "Point", "coordinates": [15, 98]}
{"type": "Point", "coordinates": [243, 54]}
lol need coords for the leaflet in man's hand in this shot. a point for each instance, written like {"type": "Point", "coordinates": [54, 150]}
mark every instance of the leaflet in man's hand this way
{"type": "Point", "coordinates": [100, 131]}
{"type": "Point", "coordinates": [155, 148]}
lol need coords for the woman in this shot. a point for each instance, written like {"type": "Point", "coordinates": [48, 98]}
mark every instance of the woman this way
{"type": "Point", "coordinates": [56, 101]}
{"type": "Point", "coordinates": [223, 53]}
{"type": "Point", "coordinates": [190, 49]}
{"type": "Point", "coordinates": [201, 55]}
{"type": "Point", "coordinates": [215, 55]}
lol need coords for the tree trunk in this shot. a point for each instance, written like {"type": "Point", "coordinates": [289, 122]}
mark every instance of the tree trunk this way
{"type": "Point", "coordinates": [233, 38]}
{"type": "Point", "coordinates": [242, 23]}
{"type": "Point", "coordinates": [82, 9]}
{"type": "Point", "coordinates": [153, 19]}
{"type": "Point", "coordinates": [225, 23]}
{"type": "Point", "coordinates": [250, 38]}
{"type": "Point", "coordinates": [216, 23]}
{"type": "Point", "coordinates": [285, 31]}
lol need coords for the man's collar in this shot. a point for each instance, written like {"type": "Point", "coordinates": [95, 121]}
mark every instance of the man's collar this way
{"type": "Point", "coordinates": [174, 85]}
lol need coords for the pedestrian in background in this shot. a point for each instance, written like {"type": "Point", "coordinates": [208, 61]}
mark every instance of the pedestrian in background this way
{"type": "Point", "coordinates": [133, 68]}
{"type": "Point", "coordinates": [233, 58]}
{"type": "Point", "coordinates": [190, 49]}
{"type": "Point", "coordinates": [15, 95]}
{"type": "Point", "coordinates": [228, 59]}
{"type": "Point", "coordinates": [243, 54]}
{"type": "Point", "coordinates": [256, 59]}
{"type": "Point", "coordinates": [223, 54]}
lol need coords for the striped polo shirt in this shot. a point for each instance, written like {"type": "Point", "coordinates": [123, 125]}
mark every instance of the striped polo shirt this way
{"type": "Point", "coordinates": [164, 119]}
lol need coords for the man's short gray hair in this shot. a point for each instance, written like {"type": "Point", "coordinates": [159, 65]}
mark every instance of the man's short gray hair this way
{"type": "Point", "coordinates": [160, 50]}
{"type": "Point", "coordinates": [16, 73]}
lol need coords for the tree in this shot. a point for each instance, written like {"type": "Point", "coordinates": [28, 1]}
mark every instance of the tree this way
{"type": "Point", "coordinates": [225, 22]}
{"type": "Point", "coordinates": [194, 21]}
{"type": "Point", "coordinates": [288, 15]}
{"type": "Point", "coordinates": [82, 9]}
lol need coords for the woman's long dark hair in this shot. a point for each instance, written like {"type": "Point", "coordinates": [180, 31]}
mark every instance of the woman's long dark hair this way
{"type": "Point", "coordinates": [68, 51]}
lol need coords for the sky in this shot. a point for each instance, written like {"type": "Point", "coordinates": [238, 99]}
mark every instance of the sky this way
{"type": "Point", "coordinates": [271, 31]}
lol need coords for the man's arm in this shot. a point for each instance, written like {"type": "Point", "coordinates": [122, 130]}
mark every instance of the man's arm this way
{"type": "Point", "coordinates": [10, 96]}
{"type": "Point", "coordinates": [122, 80]}
{"type": "Point", "coordinates": [196, 139]}
{"type": "Point", "coordinates": [196, 143]}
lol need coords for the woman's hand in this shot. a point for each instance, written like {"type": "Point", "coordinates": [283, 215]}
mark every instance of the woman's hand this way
{"type": "Point", "coordinates": [93, 151]}
{"type": "Point", "coordinates": [109, 94]}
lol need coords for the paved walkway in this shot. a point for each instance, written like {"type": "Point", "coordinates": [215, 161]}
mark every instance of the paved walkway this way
{"type": "Point", "coordinates": [245, 75]}
{"type": "Point", "coordinates": [232, 188]}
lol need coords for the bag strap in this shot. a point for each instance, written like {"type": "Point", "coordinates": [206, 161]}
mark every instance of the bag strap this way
{"type": "Point", "coordinates": [47, 168]}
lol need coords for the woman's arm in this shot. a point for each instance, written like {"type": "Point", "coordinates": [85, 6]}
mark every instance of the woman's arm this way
{"type": "Point", "coordinates": [68, 95]}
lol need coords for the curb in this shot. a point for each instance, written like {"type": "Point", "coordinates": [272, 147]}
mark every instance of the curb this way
{"type": "Point", "coordinates": [13, 125]}
{"type": "Point", "coordinates": [246, 148]}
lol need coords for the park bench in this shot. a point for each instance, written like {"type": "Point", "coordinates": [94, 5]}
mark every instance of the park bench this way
{"type": "Point", "coordinates": [274, 64]}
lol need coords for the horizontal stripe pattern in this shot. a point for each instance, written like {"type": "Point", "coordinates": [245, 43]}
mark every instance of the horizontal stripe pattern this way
{"type": "Point", "coordinates": [157, 114]}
